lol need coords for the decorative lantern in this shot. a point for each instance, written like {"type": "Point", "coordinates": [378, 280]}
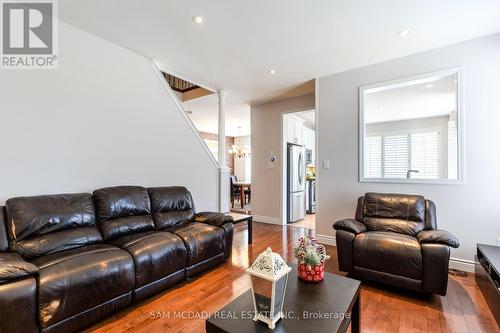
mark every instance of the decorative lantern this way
{"type": "Point", "coordinates": [269, 277]}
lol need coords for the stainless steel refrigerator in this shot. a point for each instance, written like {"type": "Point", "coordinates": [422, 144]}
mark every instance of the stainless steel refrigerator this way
{"type": "Point", "coordinates": [296, 176]}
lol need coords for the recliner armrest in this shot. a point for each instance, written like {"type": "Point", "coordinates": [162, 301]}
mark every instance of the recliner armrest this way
{"type": "Point", "coordinates": [13, 267]}
{"type": "Point", "coordinates": [213, 218]}
{"type": "Point", "coordinates": [350, 225]}
{"type": "Point", "coordinates": [438, 236]}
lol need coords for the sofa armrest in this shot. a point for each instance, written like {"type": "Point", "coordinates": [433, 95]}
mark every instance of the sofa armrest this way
{"type": "Point", "coordinates": [350, 225]}
{"type": "Point", "coordinates": [345, 250]}
{"type": "Point", "coordinates": [221, 220]}
{"type": "Point", "coordinates": [213, 218]}
{"type": "Point", "coordinates": [435, 261]}
{"type": "Point", "coordinates": [439, 237]}
{"type": "Point", "coordinates": [18, 294]}
{"type": "Point", "coordinates": [14, 267]}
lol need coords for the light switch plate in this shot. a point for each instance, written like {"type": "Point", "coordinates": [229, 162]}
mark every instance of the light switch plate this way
{"type": "Point", "coordinates": [326, 164]}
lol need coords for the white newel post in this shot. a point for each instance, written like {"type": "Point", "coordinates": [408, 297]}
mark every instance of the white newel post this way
{"type": "Point", "coordinates": [224, 173]}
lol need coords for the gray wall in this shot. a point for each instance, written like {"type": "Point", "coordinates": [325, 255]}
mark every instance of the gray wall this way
{"type": "Point", "coordinates": [103, 118]}
{"type": "Point", "coordinates": [471, 211]}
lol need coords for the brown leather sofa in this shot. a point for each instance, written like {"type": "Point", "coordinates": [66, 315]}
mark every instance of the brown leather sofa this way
{"type": "Point", "coordinates": [69, 260]}
{"type": "Point", "coordinates": [394, 239]}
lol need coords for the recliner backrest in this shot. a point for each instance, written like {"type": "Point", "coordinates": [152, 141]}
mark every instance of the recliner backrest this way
{"type": "Point", "coordinates": [4, 241]}
{"type": "Point", "coordinates": [40, 225]}
{"type": "Point", "coordinates": [401, 213]}
{"type": "Point", "coordinates": [123, 210]}
{"type": "Point", "coordinates": [171, 205]}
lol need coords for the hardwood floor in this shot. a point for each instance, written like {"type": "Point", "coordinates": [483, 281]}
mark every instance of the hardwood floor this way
{"type": "Point", "coordinates": [383, 308]}
{"type": "Point", "coordinates": [307, 222]}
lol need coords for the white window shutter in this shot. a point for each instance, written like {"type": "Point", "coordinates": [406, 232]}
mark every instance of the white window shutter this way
{"type": "Point", "coordinates": [425, 155]}
{"type": "Point", "coordinates": [391, 156]}
{"type": "Point", "coordinates": [373, 157]}
{"type": "Point", "coordinates": [395, 152]}
{"type": "Point", "coordinates": [452, 150]}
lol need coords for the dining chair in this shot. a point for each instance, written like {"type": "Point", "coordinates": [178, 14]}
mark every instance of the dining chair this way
{"type": "Point", "coordinates": [235, 190]}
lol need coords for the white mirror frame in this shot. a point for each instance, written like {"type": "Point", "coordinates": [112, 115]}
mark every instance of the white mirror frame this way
{"type": "Point", "coordinates": [459, 71]}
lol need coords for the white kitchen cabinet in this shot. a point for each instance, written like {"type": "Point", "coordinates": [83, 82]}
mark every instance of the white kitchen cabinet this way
{"type": "Point", "coordinates": [310, 141]}
{"type": "Point", "coordinates": [290, 129]}
{"type": "Point", "coordinates": [299, 131]}
{"type": "Point", "coordinates": [294, 130]}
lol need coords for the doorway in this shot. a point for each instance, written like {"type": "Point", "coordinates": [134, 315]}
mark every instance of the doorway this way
{"type": "Point", "coordinates": [299, 168]}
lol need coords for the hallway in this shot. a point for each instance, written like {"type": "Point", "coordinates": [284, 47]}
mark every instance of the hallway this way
{"type": "Point", "coordinates": [308, 222]}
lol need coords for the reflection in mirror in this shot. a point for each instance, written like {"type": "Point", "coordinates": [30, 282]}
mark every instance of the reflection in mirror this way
{"type": "Point", "coordinates": [409, 129]}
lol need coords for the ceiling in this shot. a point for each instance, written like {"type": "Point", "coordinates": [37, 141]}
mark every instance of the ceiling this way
{"type": "Point", "coordinates": [309, 118]}
{"type": "Point", "coordinates": [423, 100]}
{"type": "Point", "coordinates": [240, 41]}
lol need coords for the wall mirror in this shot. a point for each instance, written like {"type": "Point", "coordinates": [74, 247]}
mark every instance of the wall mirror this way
{"type": "Point", "coordinates": [411, 130]}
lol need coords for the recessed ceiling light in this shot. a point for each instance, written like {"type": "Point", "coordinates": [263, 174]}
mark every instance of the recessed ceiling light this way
{"type": "Point", "coordinates": [272, 71]}
{"type": "Point", "coordinates": [404, 33]}
{"type": "Point", "coordinates": [198, 19]}
{"type": "Point", "coordinates": [430, 85]}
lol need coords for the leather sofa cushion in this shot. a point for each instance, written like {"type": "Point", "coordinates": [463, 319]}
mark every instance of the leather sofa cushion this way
{"type": "Point", "coordinates": [111, 229]}
{"type": "Point", "coordinates": [170, 205]}
{"type": "Point", "coordinates": [410, 228]}
{"type": "Point", "coordinates": [394, 206]}
{"type": "Point", "coordinates": [4, 242]}
{"type": "Point", "coordinates": [57, 241]}
{"type": "Point", "coordinates": [389, 252]}
{"type": "Point", "coordinates": [46, 224]}
{"type": "Point", "coordinates": [203, 241]}
{"type": "Point", "coordinates": [34, 216]}
{"type": "Point", "coordinates": [165, 220]}
{"type": "Point", "coordinates": [13, 267]}
{"type": "Point", "coordinates": [73, 281]}
{"type": "Point", "coordinates": [123, 210]}
{"type": "Point", "coordinates": [430, 215]}
{"type": "Point", "coordinates": [156, 254]}
{"type": "Point", "coordinates": [394, 212]}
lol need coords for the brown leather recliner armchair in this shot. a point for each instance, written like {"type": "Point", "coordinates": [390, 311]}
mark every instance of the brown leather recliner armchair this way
{"type": "Point", "coordinates": [394, 239]}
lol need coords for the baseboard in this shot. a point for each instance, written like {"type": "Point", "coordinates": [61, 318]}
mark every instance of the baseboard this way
{"type": "Point", "coordinates": [267, 219]}
{"type": "Point", "coordinates": [327, 240]}
{"type": "Point", "coordinates": [462, 264]}
{"type": "Point", "coordinates": [455, 263]}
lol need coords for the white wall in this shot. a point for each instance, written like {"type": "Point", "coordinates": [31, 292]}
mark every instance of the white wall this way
{"type": "Point", "coordinates": [102, 119]}
{"type": "Point", "coordinates": [267, 138]}
{"type": "Point", "coordinates": [470, 211]}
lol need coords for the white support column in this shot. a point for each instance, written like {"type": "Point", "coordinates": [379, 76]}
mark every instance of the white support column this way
{"type": "Point", "coordinates": [224, 191]}
{"type": "Point", "coordinates": [222, 128]}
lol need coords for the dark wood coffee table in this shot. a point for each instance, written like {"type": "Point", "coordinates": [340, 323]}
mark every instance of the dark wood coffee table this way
{"type": "Point", "coordinates": [327, 306]}
{"type": "Point", "coordinates": [238, 218]}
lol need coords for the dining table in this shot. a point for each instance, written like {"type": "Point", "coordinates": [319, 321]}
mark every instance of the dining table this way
{"type": "Point", "coordinates": [243, 185]}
